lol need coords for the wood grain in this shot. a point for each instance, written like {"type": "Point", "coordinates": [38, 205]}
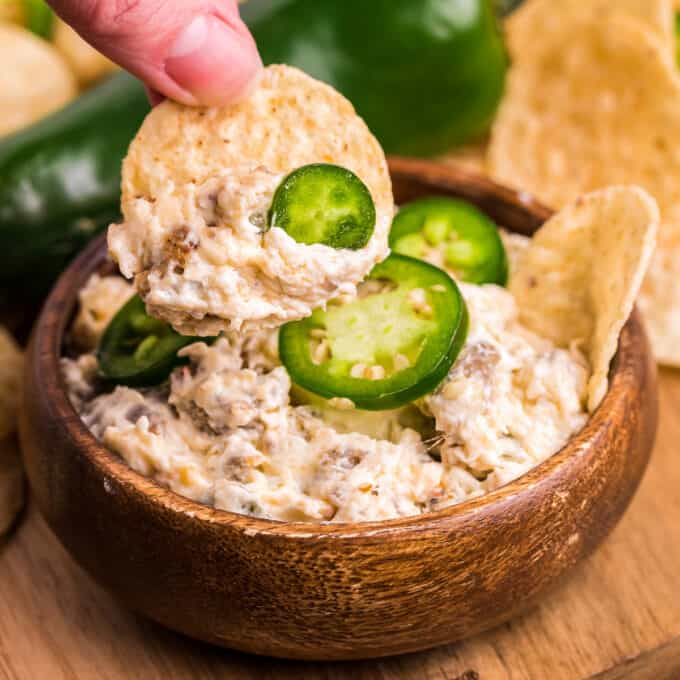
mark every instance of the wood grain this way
{"type": "Point", "coordinates": [335, 591]}
{"type": "Point", "coordinates": [618, 616]}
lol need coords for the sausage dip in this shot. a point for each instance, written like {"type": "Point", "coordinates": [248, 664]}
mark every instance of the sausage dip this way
{"type": "Point", "coordinates": [228, 429]}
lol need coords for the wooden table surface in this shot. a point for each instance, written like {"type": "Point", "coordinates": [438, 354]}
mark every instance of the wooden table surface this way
{"type": "Point", "coordinates": [618, 617]}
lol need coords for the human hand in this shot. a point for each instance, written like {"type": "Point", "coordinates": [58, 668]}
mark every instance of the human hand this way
{"type": "Point", "coordinates": [197, 52]}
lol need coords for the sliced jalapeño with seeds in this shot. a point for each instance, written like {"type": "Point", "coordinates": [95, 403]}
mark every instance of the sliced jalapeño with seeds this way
{"type": "Point", "coordinates": [391, 345]}
{"type": "Point", "coordinates": [326, 204]}
{"type": "Point", "coordinates": [460, 236]}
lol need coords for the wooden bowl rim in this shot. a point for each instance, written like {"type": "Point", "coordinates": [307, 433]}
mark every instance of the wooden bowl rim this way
{"type": "Point", "coordinates": [48, 336]}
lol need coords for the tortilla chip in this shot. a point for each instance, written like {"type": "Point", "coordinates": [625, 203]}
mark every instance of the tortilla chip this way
{"type": "Point", "coordinates": [660, 304]}
{"type": "Point", "coordinates": [35, 79]}
{"type": "Point", "coordinates": [11, 10]}
{"type": "Point", "coordinates": [582, 271]}
{"type": "Point", "coordinates": [537, 24]}
{"type": "Point", "coordinates": [87, 64]}
{"type": "Point", "coordinates": [11, 370]}
{"type": "Point", "coordinates": [601, 107]}
{"type": "Point", "coordinates": [288, 121]}
{"type": "Point", "coordinates": [11, 483]}
{"type": "Point", "coordinates": [11, 475]}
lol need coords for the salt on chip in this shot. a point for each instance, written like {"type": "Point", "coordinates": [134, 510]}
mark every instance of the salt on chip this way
{"type": "Point", "coordinates": [582, 271]}
{"type": "Point", "coordinates": [289, 120]}
{"type": "Point", "coordinates": [601, 107]}
{"type": "Point", "coordinates": [35, 80]}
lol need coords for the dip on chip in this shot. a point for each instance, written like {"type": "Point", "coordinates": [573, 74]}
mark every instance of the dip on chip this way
{"type": "Point", "coordinates": [35, 80]}
{"type": "Point", "coordinates": [197, 188]}
{"type": "Point", "coordinates": [599, 104]}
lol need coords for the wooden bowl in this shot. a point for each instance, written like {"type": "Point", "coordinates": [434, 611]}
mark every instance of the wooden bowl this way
{"type": "Point", "coordinates": [335, 591]}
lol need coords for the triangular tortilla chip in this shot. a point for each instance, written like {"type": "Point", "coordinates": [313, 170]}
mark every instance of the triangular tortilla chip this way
{"type": "Point", "coordinates": [600, 107]}
{"type": "Point", "coordinates": [538, 24]}
{"type": "Point", "coordinates": [582, 271]}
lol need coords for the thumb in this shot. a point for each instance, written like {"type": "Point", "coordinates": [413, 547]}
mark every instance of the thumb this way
{"type": "Point", "coordinates": [194, 51]}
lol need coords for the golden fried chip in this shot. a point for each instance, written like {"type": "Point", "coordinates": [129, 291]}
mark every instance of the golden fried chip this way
{"type": "Point", "coordinates": [538, 24]}
{"type": "Point", "coordinates": [288, 121]}
{"type": "Point", "coordinates": [582, 271]}
{"type": "Point", "coordinates": [11, 483]}
{"type": "Point", "coordinates": [11, 369]}
{"type": "Point", "coordinates": [11, 10]}
{"type": "Point", "coordinates": [601, 107]}
{"type": "Point", "coordinates": [85, 61]}
{"type": "Point", "coordinates": [660, 303]}
{"type": "Point", "coordinates": [34, 81]}
{"type": "Point", "coordinates": [197, 185]}
{"type": "Point", "coordinates": [11, 476]}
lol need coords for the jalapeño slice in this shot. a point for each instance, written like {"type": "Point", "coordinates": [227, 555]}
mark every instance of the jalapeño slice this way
{"type": "Point", "coordinates": [391, 345]}
{"type": "Point", "coordinates": [138, 350]}
{"type": "Point", "coordinates": [468, 241]}
{"type": "Point", "coordinates": [325, 204]}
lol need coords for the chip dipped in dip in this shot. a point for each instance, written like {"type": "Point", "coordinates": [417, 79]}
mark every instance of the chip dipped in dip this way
{"type": "Point", "coordinates": [236, 423]}
{"type": "Point", "coordinates": [201, 235]}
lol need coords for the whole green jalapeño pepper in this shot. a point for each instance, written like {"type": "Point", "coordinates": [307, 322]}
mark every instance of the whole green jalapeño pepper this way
{"type": "Point", "coordinates": [425, 75]}
{"type": "Point", "coordinates": [60, 180]}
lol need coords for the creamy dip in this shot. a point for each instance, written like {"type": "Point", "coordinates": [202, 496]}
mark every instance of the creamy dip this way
{"type": "Point", "coordinates": [229, 431]}
{"type": "Point", "coordinates": [204, 260]}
